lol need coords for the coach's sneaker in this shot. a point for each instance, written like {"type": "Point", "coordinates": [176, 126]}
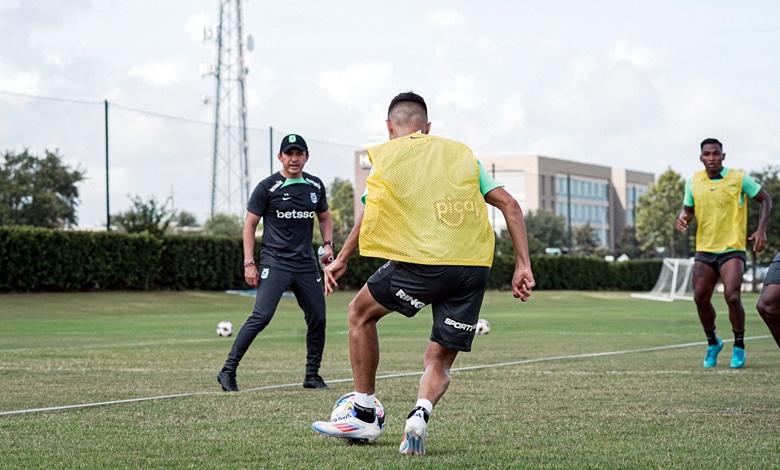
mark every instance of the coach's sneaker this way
{"type": "Point", "coordinates": [349, 428]}
{"type": "Point", "coordinates": [711, 359]}
{"type": "Point", "coordinates": [737, 357]}
{"type": "Point", "coordinates": [415, 432]}
{"type": "Point", "coordinates": [228, 381]}
{"type": "Point", "coordinates": [315, 381]}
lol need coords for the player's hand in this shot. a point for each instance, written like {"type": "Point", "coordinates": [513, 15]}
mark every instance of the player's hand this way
{"type": "Point", "coordinates": [251, 276]}
{"type": "Point", "coordinates": [682, 224]}
{"type": "Point", "coordinates": [332, 273]}
{"type": "Point", "coordinates": [759, 240]}
{"type": "Point", "coordinates": [522, 283]}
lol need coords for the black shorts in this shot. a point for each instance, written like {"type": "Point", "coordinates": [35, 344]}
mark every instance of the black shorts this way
{"type": "Point", "coordinates": [773, 273]}
{"type": "Point", "coordinates": [716, 260]}
{"type": "Point", "coordinates": [454, 293]}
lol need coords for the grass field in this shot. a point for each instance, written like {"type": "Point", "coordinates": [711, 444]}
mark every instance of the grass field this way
{"type": "Point", "coordinates": [569, 380]}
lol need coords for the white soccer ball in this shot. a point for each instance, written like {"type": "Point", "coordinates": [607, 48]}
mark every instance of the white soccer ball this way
{"type": "Point", "coordinates": [345, 405]}
{"type": "Point", "coordinates": [225, 329]}
{"type": "Point", "coordinates": [483, 327]}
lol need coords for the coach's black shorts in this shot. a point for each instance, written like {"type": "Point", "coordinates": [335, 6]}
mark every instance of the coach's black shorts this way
{"type": "Point", "coordinates": [454, 293]}
{"type": "Point", "coordinates": [716, 260]}
{"type": "Point", "coordinates": [773, 273]}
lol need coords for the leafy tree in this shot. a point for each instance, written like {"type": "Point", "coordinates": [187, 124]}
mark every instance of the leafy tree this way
{"type": "Point", "coordinates": [769, 179]}
{"type": "Point", "coordinates": [341, 197]}
{"type": "Point", "coordinates": [586, 241]}
{"type": "Point", "coordinates": [544, 229]}
{"type": "Point", "coordinates": [224, 224]}
{"type": "Point", "coordinates": [657, 212]}
{"type": "Point", "coordinates": [38, 191]}
{"type": "Point", "coordinates": [145, 216]}
{"type": "Point", "coordinates": [631, 245]}
{"type": "Point", "coordinates": [186, 219]}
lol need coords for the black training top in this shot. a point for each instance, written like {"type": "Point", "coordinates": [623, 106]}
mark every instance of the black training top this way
{"type": "Point", "coordinates": [288, 209]}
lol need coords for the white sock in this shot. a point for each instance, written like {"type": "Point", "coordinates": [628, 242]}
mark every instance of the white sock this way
{"type": "Point", "coordinates": [426, 404]}
{"type": "Point", "coordinates": [365, 400]}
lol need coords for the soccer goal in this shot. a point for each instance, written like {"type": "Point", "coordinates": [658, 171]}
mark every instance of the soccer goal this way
{"type": "Point", "coordinates": [674, 283]}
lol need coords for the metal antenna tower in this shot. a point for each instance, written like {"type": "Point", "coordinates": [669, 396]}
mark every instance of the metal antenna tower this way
{"type": "Point", "coordinates": [230, 174]}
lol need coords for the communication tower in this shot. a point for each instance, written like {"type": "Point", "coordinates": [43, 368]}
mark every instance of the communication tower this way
{"type": "Point", "coordinates": [230, 173]}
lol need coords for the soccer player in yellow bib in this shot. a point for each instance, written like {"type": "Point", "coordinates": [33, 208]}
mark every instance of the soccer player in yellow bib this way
{"type": "Point", "coordinates": [426, 212]}
{"type": "Point", "coordinates": [717, 197]}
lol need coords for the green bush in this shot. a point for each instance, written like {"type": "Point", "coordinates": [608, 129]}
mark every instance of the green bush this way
{"type": "Point", "coordinates": [46, 260]}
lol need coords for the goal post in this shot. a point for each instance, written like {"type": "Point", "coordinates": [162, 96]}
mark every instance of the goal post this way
{"type": "Point", "coordinates": [674, 283]}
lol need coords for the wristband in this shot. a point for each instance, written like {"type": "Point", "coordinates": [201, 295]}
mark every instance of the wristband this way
{"type": "Point", "coordinates": [249, 263]}
{"type": "Point", "coordinates": [329, 242]}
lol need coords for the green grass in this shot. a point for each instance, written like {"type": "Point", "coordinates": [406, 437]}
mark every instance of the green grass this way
{"type": "Point", "coordinates": [638, 409]}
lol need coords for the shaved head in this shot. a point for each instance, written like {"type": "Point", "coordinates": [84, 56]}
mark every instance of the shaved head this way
{"type": "Point", "coordinates": [408, 111]}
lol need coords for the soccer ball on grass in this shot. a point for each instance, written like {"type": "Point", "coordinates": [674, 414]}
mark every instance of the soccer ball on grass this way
{"type": "Point", "coordinates": [483, 327]}
{"type": "Point", "coordinates": [225, 329]}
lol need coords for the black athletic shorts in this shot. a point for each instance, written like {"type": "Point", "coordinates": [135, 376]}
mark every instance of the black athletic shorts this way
{"type": "Point", "coordinates": [716, 260]}
{"type": "Point", "coordinates": [773, 273]}
{"type": "Point", "coordinates": [454, 293]}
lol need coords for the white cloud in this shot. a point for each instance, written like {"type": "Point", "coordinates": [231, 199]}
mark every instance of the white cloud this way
{"type": "Point", "coordinates": [446, 20]}
{"type": "Point", "coordinates": [355, 78]}
{"type": "Point", "coordinates": [160, 73]}
{"type": "Point", "coordinates": [641, 57]}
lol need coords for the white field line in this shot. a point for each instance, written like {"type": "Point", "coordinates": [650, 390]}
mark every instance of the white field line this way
{"type": "Point", "coordinates": [380, 377]}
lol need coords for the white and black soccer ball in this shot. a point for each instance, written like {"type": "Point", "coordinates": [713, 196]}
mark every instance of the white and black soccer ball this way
{"type": "Point", "coordinates": [346, 404]}
{"type": "Point", "coordinates": [224, 329]}
{"type": "Point", "coordinates": [483, 327]}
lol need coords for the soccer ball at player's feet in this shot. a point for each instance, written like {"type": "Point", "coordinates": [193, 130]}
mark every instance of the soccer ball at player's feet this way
{"type": "Point", "coordinates": [345, 425]}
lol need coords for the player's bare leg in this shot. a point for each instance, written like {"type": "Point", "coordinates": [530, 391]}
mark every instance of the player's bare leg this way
{"type": "Point", "coordinates": [433, 384]}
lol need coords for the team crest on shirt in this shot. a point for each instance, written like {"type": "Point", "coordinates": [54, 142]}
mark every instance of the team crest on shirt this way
{"type": "Point", "coordinates": [264, 273]}
{"type": "Point", "coordinates": [313, 197]}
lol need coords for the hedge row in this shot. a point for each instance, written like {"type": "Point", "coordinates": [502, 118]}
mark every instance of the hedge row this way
{"type": "Point", "coordinates": [44, 260]}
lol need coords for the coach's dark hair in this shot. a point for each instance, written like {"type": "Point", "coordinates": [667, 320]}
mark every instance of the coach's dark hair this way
{"type": "Point", "coordinates": [407, 96]}
{"type": "Point", "coordinates": [711, 141]}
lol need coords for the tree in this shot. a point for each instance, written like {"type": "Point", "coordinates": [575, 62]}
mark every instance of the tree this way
{"type": "Point", "coordinates": [769, 179]}
{"type": "Point", "coordinates": [186, 219]}
{"type": "Point", "coordinates": [225, 225]}
{"type": "Point", "coordinates": [341, 197]}
{"type": "Point", "coordinates": [38, 191]}
{"type": "Point", "coordinates": [145, 216]}
{"type": "Point", "coordinates": [545, 229]}
{"type": "Point", "coordinates": [657, 212]}
{"type": "Point", "coordinates": [586, 241]}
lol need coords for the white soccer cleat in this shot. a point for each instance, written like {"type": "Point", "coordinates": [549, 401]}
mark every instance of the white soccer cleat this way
{"type": "Point", "coordinates": [415, 432]}
{"type": "Point", "coordinates": [349, 428]}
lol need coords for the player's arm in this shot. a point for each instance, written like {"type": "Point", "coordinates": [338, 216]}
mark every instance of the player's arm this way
{"type": "Point", "coordinates": [325, 223]}
{"type": "Point", "coordinates": [251, 276]}
{"type": "Point", "coordinates": [523, 278]}
{"type": "Point", "coordinates": [688, 211]}
{"type": "Point", "coordinates": [338, 267]}
{"type": "Point", "coordinates": [759, 236]}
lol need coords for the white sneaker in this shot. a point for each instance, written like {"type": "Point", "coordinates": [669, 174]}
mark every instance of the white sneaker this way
{"type": "Point", "coordinates": [349, 428]}
{"type": "Point", "coordinates": [415, 432]}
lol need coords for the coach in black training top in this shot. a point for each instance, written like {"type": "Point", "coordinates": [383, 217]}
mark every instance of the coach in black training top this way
{"type": "Point", "coordinates": [288, 202]}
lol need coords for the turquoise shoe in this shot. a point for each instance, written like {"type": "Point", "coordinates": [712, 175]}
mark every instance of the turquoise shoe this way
{"type": "Point", "coordinates": [737, 357]}
{"type": "Point", "coordinates": [712, 354]}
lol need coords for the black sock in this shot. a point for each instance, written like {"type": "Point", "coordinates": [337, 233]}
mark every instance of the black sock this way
{"type": "Point", "coordinates": [712, 337]}
{"type": "Point", "coordinates": [365, 414]}
{"type": "Point", "coordinates": [425, 413]}
{"type": "Point", "coordinates": [739, 339]}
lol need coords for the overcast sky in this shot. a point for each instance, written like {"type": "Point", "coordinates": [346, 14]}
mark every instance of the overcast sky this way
{"type": "Point", "coordinates": [629, 84]}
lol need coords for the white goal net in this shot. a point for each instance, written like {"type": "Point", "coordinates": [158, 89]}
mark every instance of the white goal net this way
{"type": "Point", "coordinates": [674, 283]}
